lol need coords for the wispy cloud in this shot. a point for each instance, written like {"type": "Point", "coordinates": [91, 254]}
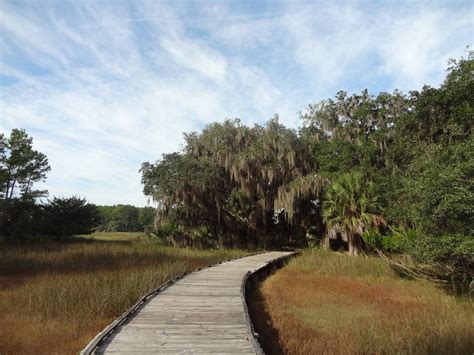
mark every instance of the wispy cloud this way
{"type": "Point", "coordinates": [104, 86]}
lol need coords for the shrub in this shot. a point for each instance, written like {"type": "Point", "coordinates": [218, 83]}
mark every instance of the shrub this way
{"type": "Point", "coordinates": [447, 259]}
{"type": "Point", "coordinates": [398, 241]}
{"type": "Point", "coordinates": [69, 216]}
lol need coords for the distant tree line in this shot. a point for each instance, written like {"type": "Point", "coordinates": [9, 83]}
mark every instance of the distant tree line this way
{"type": "Point", "coordinates": [126, 218]}
{"type": "Point", "coordinates": [361, 173]}
{"type": "Point", "coordinates": [21, 215]}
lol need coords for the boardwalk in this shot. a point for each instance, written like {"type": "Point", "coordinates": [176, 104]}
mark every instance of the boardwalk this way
{"type": "Point", "coordinates": [201, 313]}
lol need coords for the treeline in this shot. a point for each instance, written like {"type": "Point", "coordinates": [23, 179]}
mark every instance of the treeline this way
{"type": "Point", "coordinates": [126, 218]}
{"type": "Point", "coordinates": [21, 214]}
{"type": "Point", "coordinates": [360, 169]}
{"type": "Point", "coordinates": [57, 217]}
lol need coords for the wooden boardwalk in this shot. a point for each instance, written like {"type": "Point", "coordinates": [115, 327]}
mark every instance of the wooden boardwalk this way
{"type": "Point", "coordinates": [201, 313]}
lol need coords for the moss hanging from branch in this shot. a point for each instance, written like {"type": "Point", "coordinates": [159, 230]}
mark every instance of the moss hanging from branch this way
{"type": "Point", "coordinates": [300, 188]}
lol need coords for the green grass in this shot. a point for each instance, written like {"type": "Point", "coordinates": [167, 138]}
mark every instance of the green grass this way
{"type": "Point", "coordinates": [70, 290]}
{"type": "Point", "coordinates": [118, 236]}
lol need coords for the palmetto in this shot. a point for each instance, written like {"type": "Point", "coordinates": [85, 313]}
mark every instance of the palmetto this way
{"type": "Point", "coordinates": [348, 212]}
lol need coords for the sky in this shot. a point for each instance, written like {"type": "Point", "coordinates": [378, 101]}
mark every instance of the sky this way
{"type": "Point", "coordinates": [103, 86]}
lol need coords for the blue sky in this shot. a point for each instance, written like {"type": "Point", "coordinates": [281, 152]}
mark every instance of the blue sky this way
{"type": "Point", "coordinates": [104, 85]}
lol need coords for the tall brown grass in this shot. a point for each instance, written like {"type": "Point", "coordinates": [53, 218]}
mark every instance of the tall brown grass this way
{"type": "Point", "coordinates": [327, 303]}
{"type": "Point", "coordinates": [54, 297]}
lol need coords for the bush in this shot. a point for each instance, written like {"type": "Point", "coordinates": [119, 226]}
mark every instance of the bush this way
{"type": "Point", "coordinates": [398, 241]}
{"type": "Point", "coordinates": [451, 249]}
{"type": "Point", "coordinates": [447, 259]}
{"type": "Point", "coordinates": [19, 218]}
{"type": "Point", "coordinates": [69, 216]}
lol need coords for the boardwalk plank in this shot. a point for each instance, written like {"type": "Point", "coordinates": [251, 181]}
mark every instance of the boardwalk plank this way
{"type": "Point", "coordinates": [201, 313]}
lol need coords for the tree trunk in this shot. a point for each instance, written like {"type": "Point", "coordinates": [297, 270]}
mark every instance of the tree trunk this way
{"type": "Point", "coordinates": [354, 245]}
{"type": "Point", "coordinates": [12, 188]}
{"type": "Point", "coordinates": [351, 247]}
{"type": "Point", "coordinates": [28, 185]}
{"type": "Point", "coordinates": [325, 243]}
{"type": "Point", "coordinates": [220, 236]}
{"type": "Point", "coordinates": [8, 184]}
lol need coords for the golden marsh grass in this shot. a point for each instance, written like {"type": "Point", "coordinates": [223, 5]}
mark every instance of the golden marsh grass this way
{"type": "Point", "coordinates": [54, 297]}
{"type": "Point", "coordinates": [328, 303]}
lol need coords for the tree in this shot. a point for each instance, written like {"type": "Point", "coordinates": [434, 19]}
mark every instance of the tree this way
{"type": "Point", "coordinates": [105, 218]}
{"type": "Point", "coordinates": [20, 166]}
{"type": "Point", "coordinates": [348, 212]}
{"type": "Point", "coordinates": [354, 130]}
{"type": "Point", "coordinates": [438, 190]}
{"type": "Point", "coordinates": [269, 185]}
{"type": "Point", "coordinates": [20, 218]}
{"type": "Point", "coordinates": [64, 217]}
{"type": "Point", "coordinates": [186, 187]}
{"type": "Point", "coordinates": [125, 218]}
{"type": "Point", "coordinates": [146, 217]}
{"type": "Point", "coordinates": [228, 179]}
{"type": "Point", "coordinates": [434, 146]}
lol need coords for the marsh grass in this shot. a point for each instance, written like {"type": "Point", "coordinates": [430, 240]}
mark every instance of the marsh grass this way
{"type": "Point", "coordinates": [329, 303]}
{"type": "Point", "coordinates": [54, 297]}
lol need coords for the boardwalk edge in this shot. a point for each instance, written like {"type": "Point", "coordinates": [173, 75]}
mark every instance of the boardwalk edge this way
{"type": "Point", "coordinates": [253, 277]}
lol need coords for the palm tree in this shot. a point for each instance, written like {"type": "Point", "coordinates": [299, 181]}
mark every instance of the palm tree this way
{"type": "Point", "coordinates": [346, 212]}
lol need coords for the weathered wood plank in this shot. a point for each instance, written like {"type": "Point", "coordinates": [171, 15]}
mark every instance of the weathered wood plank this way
{"type": "Point", "coordinates": [200, 313]}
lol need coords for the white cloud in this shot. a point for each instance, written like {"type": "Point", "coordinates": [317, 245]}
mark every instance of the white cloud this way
{"type": "Point", "coordinates": [328, 40]}
{"type": "Point", "coordinates": [418, 47]}
{"type": "Point", "coordinates": [36, 42]}
{"type": "Point", "coordinates": [123, 81]}
{"type": "Point", "coordinates": [198, 57]}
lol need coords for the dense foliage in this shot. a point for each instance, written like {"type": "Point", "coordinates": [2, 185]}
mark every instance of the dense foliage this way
{"type": "Point", "coordinates": [20, 166]}
{"type": "Point", "coordinates": [359, 164]}
{"type": "Point", "coordinates": [234, 184]}
{"type": "Point", "coordinates": [125, 218]}
{"type": "Point", "coordinates": [347, 212]}
{"type": "Point", "coordinates": [62, 217]}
